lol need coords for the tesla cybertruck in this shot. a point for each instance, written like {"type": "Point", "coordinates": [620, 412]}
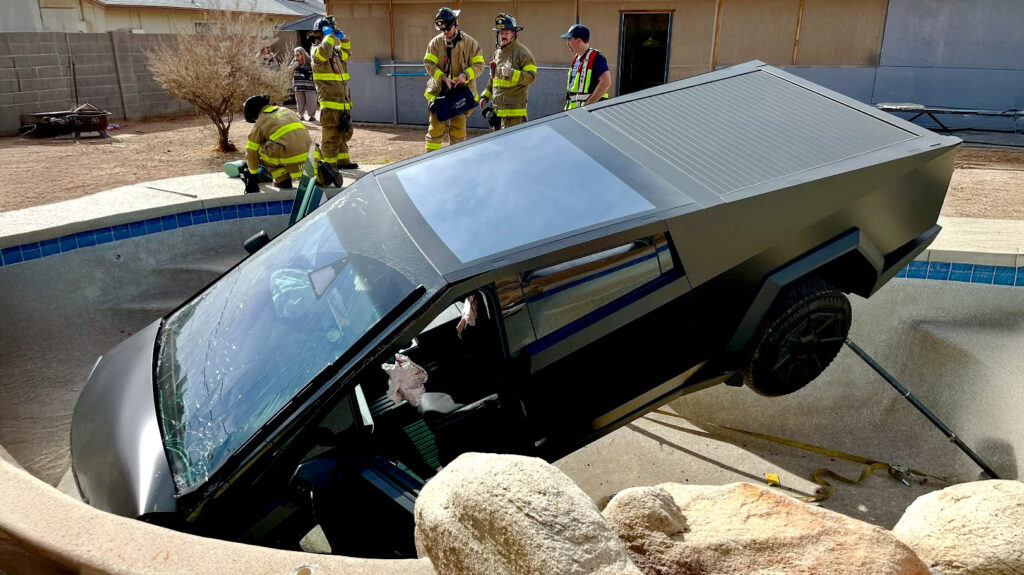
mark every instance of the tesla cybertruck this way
{"type": "Point", "coordinates": [536, 288]}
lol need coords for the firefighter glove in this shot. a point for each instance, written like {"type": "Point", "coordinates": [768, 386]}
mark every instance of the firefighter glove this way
{"type": "Point", "coordinates": [251, 184]}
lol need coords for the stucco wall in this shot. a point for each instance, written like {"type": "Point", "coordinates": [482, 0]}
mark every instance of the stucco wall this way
{"type": "Point", "coordinates": [20, 16]}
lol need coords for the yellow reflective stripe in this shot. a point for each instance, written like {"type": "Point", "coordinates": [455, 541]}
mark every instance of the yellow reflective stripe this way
{"type": "Point", "coordinates": [344, 77]}
{"type": "Point", "coordinates": [476, 60]}
{"type": "Point", "coordinates": [329, 160]}
{"type": "Point", "coordinates": [486, 94]}
{"type": "Point", "coordinates": [344, 55]}
{"type": "Point", "coordinates": [511, 112]}
{"type": "Point", "coordinates": [254, 172]}
{"type": "Point", "coordinates": [295, 159]}
{"type": "Point", "coordinates": [530, 68]}
{"type": "Point", "coordinates": [438, 74]}
{"type": "Point", "coordinates": [431, 57]}
{"type": "Point", "coordinates": [433, 146]}
{"type": "Point", "coordinates": [336, 105]}
{"type": "Point", "coordinates": [430, 97]}
{"type": "Point", "coordinates": [515, 77]}
{"type": "Point", "coordinates": [295, 175]}
{"type": "Point", "coordinates": [269, 108]}
{"type": "Point", "coordinates": [278, 172]}
{"type": "Point", "coordinates": [319, 57]}
{"type": "Point", "coordinates": [499, 83]}
{"type": "Point", "coordinates": [345, 44]}
{"type": "Point", "coordinates": [470, 74]}
{"type": "Point", "coordinates": [330, 40]}
{"type": "Point", "coordinates": [285, 129]}
{"type": "Point", "coordinates": [342, 156]}
{"type": "Point", "coordinates": [251, 145]}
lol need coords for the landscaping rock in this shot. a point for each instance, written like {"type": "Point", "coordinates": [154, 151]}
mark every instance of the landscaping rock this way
{"type": "Point", "coordinates": [489, 514]}
{"type": "Point", "coordinates": [749, 529]}
{"type": "Point", "coordinates": [975, 528]}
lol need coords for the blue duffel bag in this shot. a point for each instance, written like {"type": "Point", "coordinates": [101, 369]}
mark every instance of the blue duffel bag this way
{"type": "Point", "coordinates": [458, 100]}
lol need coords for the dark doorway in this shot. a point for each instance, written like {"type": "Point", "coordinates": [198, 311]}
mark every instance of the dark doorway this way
{"type": "Point", "coordinates": [643, 50]}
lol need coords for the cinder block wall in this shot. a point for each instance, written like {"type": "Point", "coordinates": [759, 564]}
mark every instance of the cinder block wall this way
{"type": "Point", "coordinates": [49, 71]}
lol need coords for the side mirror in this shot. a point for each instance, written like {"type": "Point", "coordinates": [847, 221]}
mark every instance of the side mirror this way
{"type": "Point", "coordinates": [313, 475]}
{"type": "Point", "coordinates": [253, 244]}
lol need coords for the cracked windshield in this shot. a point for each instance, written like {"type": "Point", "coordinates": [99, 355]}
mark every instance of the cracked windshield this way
{"type": "Point", "coordinates": [235, 355]}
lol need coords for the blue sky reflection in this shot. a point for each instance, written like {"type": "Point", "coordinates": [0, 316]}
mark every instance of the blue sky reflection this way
{"type": "Point", "coordinates": [515, 190]}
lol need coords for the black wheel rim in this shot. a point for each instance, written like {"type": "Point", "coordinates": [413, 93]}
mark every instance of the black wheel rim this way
{"type": "Point", "coordinates": [809, 347]}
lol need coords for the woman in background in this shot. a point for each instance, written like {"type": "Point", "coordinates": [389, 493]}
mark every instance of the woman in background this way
{"type": "Point", "coordinates": [302, 83]}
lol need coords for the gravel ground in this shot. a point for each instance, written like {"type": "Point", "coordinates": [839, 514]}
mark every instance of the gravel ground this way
{"type": "Point", "coordinates": [987, 182]}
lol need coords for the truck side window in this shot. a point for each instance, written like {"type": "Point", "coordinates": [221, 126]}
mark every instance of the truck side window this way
{"type": "Point", "coordinates": [548, 299]}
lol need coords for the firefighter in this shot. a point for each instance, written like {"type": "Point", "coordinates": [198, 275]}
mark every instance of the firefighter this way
{"type": "Point", "coordinates": [278, 141]}
{"type": "Point", "coordinates": [330, 75]}
{"type": "Point", "coordinates": [453, 58]}
{"type": "Point", "coordinates": [588, 79]}
{"type": "Point", "coordinates": [512, 72]}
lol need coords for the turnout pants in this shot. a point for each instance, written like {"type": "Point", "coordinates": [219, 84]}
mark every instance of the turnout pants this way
{"type": "Point", "coordinates": [455, 127]}
{"type": "Point", "coordinates": [269, 152]}
{"type": "Point", "coordinates": [334, 140]}
{"type": "Point", "coordinates": [509, 121]}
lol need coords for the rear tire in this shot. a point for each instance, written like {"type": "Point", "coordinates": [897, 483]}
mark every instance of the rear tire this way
{"type": "Point", "coordinates": [798, 338]}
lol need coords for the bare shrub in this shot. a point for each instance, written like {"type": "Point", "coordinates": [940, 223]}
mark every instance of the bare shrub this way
{"type": "Point", "coordinates": [217, 70]}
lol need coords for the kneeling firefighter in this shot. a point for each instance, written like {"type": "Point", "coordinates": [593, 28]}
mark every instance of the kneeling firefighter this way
{"type": "Point", "coordinates": [278, 141]}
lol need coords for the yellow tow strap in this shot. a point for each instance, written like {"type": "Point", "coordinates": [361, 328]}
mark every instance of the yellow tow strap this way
{"type": "Point", "coordinates": [818, 476]}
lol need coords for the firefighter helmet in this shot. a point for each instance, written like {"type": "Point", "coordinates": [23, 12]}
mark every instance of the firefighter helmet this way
{"type": "Point", "coordinates": [446, 18]}
{"type": "Point", "coordinates": [322, 22]}
{"type": "Point", "coordinates": [506, 21]}
{"type": "Point", "coordinates": [253, 106]}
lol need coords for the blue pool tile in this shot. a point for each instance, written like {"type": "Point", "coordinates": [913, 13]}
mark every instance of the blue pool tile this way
{"type": "Point", "coordinates": [917, 270]}
{"type": "Point", "coordinates": [1005, 276]}
{"type": "Point", "coordinates": [86, 238]}
{"type": "Point", "coordinates": [11, 255]}
{"type": "Point", "coordinates": [259, 209]}
{"type": "Point", "coordinates": [983, 274]}
{"type": "Point", "coordinates": [245, 211]}
{"type": "Point", "coordinates": [169, 222]}
{"type": "Point", "coordinates": [1020, 277]}
{"type": "Point", "coordinates": [961, 273]}
{"type": "Point", "coordinates": [902, 273]}
{"type": "Point", "coordinates": [938, 270]}
{"type": "Point", "coordinates": [229, 212]}
{"type": "Point", "coordinates": [199, 217]}
{"type": "Point", "coordinates": [122, 232]}
{"type": "Point", "coordinates": [50, 247]}
{"type": "Point", "coordinates": [274, 208]}
{"type": "Point", "coordinates": [153, 226]}
{"type": "Point", "coordinates": [138, 229]}
{"type": "Point", "coordinates": [214, 214]}
{"type": "Point", "coordinates": [31, 253]}
{"type": "Point", "coordinates": [287, 205]}
{"type": "Point", "coordinates": [184, 220]}
{"type": "Point", "coordinates": [68, 243]}
{"type": "Point", "coordinates": [104, 236]}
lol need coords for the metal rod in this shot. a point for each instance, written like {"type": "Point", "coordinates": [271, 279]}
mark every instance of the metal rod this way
{"type": "Point", "coordinates": [921, 407]}
{"type": "Point", "coordinates": [187, 195]}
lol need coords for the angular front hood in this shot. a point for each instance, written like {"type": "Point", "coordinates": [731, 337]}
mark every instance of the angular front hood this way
{"type": "Point", "coordinates": [116, 449]}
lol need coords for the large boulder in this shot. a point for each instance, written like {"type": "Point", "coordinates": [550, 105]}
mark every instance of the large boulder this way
{"type": "Point", "coordinates": [749, 529]}
{"type": "Point", "coordinates": [975, 528]}
{"type": "Point", "coordinates": [486, 514]}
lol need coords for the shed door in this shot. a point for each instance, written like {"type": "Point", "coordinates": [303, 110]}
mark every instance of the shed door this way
{"type": "Point", "coordinates": [643, 50]}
